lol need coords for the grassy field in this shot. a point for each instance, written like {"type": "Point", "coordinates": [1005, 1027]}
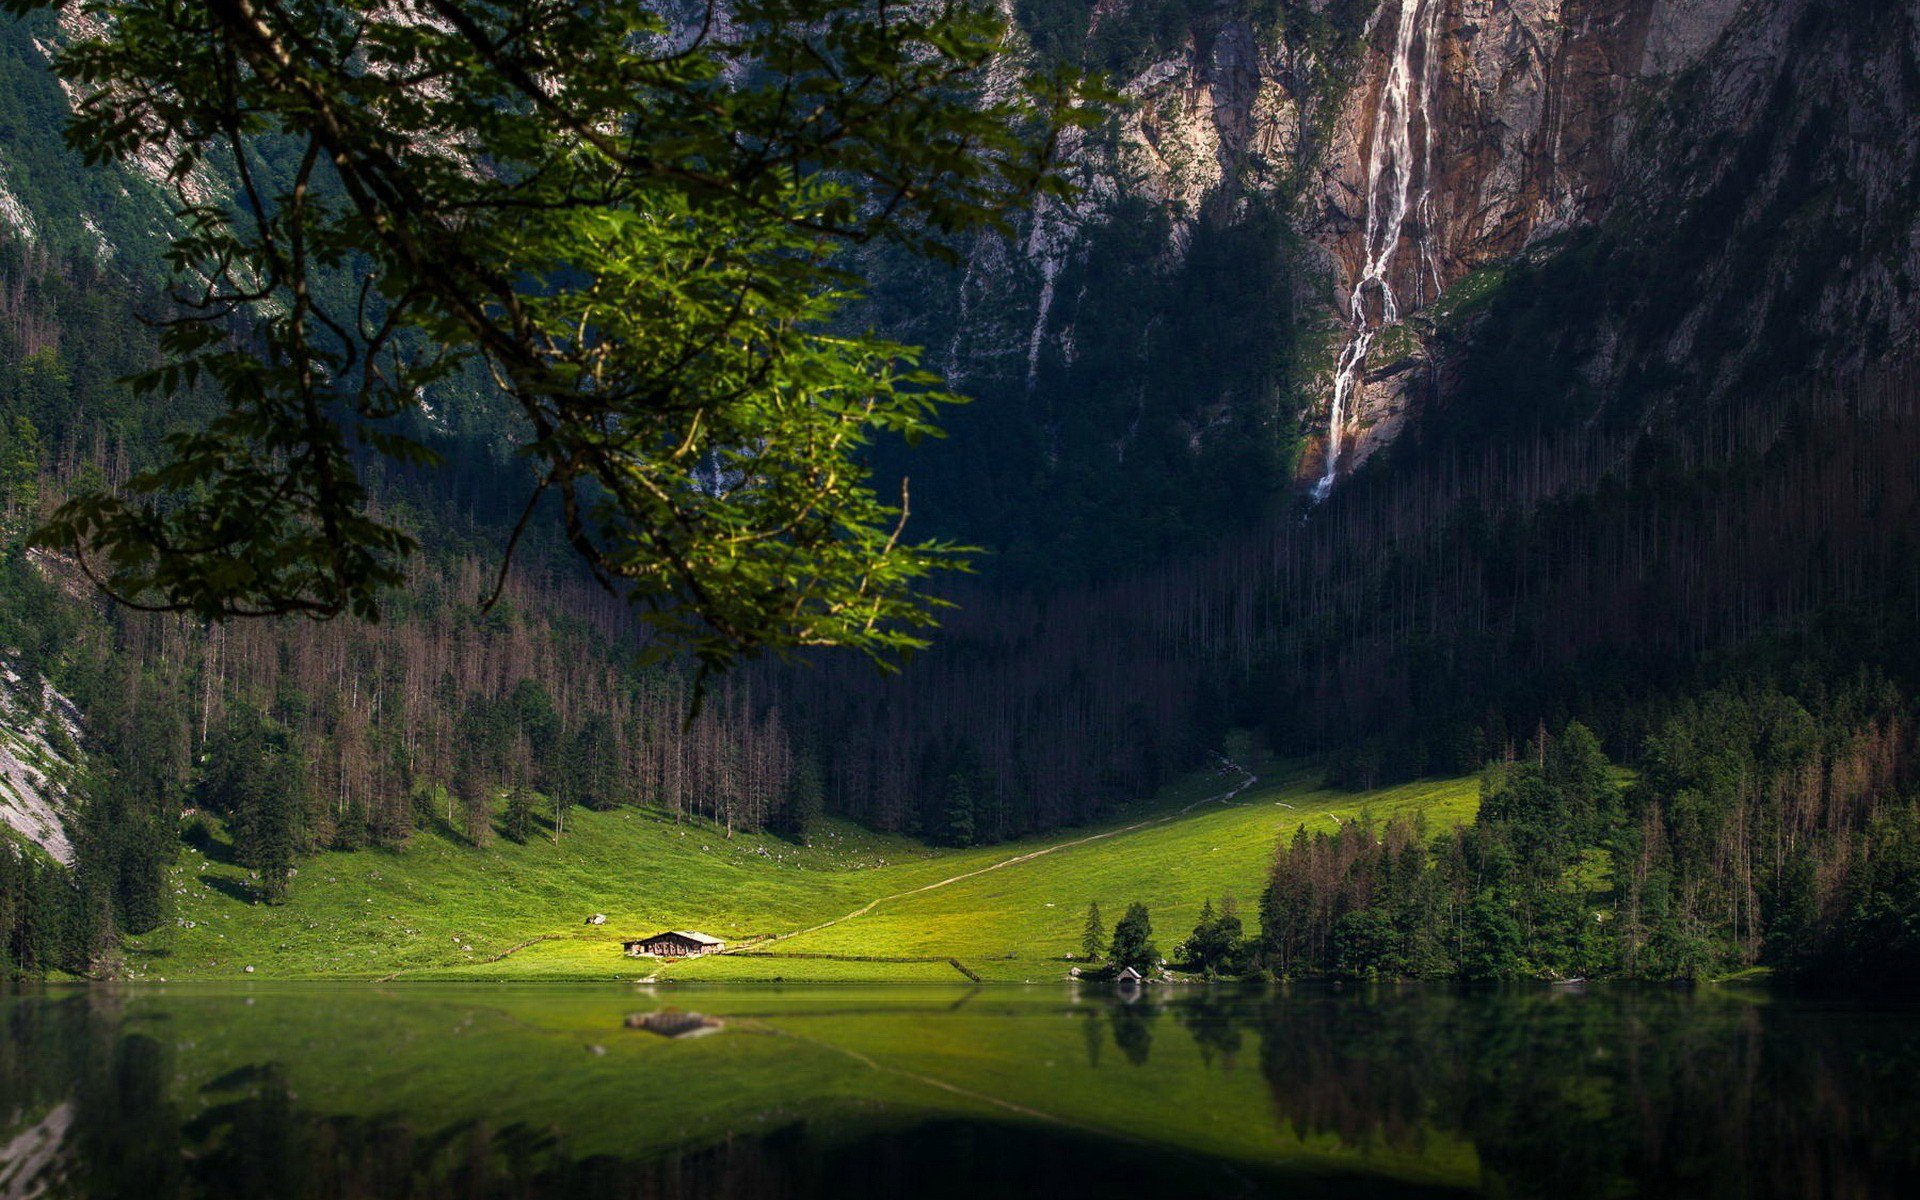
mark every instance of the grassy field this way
{"type": "Point", "coordinates": [854, 906]}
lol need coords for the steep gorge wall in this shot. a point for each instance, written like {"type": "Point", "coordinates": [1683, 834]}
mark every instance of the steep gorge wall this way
{"type": "Point", "coordinates": [1525, 123]}
{"type": "Point", "coordinates": [1763, 146]}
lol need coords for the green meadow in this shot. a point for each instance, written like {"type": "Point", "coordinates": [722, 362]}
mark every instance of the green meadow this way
{"type": "Point", "coordinates": [854, 905]}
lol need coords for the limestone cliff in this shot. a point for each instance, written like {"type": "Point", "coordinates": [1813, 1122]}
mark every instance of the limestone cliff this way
{"type": "Point", "coordinates": [1753, 158]}
{"type": "Point", "coordinates": [39, 735]}
{"type": "Point", "coordinates": [1420, 148]}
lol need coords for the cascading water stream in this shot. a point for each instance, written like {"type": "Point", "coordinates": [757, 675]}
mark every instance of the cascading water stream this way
{"type": "Point", "coordinates": [1389, 195]}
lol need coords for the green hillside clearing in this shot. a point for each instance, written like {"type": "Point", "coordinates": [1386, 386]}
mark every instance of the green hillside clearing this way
{"type": "Point", "coordinates": [854, 906]}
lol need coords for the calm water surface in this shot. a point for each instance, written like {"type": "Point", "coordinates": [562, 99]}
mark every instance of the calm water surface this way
{"type": "Point", "coordinates": [546, 1091]}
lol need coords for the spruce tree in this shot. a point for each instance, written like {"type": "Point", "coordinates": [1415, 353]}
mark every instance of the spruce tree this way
{"type": "Point", "coordinates": [806, 800]}
{"type": "Point", "coordinates": [959, 827]}
{"type": "Point", "coordinates": [1216, 942]}
{"type": "Point", "coordinates": [280, 810]}
{"type": "Point", "coordinates": [590, 752]}
{"type": "Point", "coordinates": [518, 822]}
{"type": "Point", "coordinates": [254, 776]}
{"type": "Point", "coordinates": [1093, 940]}
{"type": "Point", "coordinates": [478, 813]}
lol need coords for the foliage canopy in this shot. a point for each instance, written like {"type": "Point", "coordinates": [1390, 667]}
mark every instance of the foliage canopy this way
{"type": "Point", "coordinates": [628, 219]}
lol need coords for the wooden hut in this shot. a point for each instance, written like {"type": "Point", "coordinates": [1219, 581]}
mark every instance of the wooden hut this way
{"type": "Point", "coordinates": [675, 943]}
{"type": "Point", "coordinates": [673, 1023]}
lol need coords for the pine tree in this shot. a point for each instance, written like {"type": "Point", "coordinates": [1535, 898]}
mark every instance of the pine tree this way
{"type": "Point", "coordinates": [470, 794]}
{"type": "Point", "coordinates": [478, 812]}
{"type": "Point", "coordinates": [806, 800]}
{"type": "Point", "coordinates": [959, 826]}
{"type": "Point", "coordinates": [1093, 940]}
{"type": "Point", "coordinates": [277, 834]}
{"type": "Point", "coordinates": [589, 763]}
{"type": "Point", "coordinates": [1229, 937]}
{"type": "Point", "coordinates": [1215, 944]}
{"type": "Point", "coordinates": [518, 822]}
{"type": "Point", "coordinates": [255, 776]}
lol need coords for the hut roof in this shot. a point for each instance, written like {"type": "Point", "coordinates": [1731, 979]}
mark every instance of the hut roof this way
{"type": "Point", "coordinates": [672, 1023]}
{"type": "Point", "coordinates": [699, 939]}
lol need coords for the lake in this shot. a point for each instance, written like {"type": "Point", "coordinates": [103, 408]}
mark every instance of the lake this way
{"type": "Point", "coordinates": [584, 1091]}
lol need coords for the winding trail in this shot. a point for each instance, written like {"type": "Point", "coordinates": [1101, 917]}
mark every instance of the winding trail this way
{"type": "Point", "coordinates": [1248, 780]}
{"type": "Point", "coordinates": [510, 950]}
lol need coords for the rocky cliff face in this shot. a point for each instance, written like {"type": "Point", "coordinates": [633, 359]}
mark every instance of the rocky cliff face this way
{"type": "Point", "coordinates": [1525, 120]}
{"type": "Point", "coordinates": [39, 736]}
{"type": "Point", "coordinates": [1429, 157]}
{"type": "Point", "coordinates": [1432, 209]}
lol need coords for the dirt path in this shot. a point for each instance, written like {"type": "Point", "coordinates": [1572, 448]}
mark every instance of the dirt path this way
{"type": "Point", "coordinates": [1226, 797]}
{"type": "Point", "coordinates": [480, 962]}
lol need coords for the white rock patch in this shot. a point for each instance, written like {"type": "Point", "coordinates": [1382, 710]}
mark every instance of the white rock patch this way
{"type": "Point", "coordinates": [34, 777]}
{"type": "Point", "coordinates": [30, 1163]}
{"type": "Point", "coordinates": [14, 215]}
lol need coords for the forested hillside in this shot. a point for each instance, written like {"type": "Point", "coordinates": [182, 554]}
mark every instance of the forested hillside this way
{"type": "Point", "coordinates": [1380, 391]}
{"type": "Point", "coordinates": [1637, 423]}
{"type": "Point", "coordinates": [302, 735]}
{"type": "Point", "coordinates": [1427, 619]}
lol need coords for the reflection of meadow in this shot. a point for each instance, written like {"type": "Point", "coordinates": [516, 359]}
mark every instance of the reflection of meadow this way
{"type": "Point", "coordinates": [551, 1091]}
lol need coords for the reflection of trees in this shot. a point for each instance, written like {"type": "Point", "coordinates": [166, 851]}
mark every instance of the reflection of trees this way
{"type": "Point", "coordinates": [1214, 1021]}
{"type": "Point", "coordinates": [70, 1056]}
{"type": "Point", "coordinates": [1093, 1035]}
{"type": "Point", "coordinates": [1636, 1093]}
{"type": "Point", "coordinates": [1211, 1017]}
{"type": "Point", "coordinates": [1132, 1029]}
{"type": "Point", "coordinates": [1607, 1094]}
{"type": "Point", "coordinates": [126, 1127]}
{"type": "Point", "coordinates": [254, 1140]}
{"type": "Point", "coordinates": [1366, 1069]}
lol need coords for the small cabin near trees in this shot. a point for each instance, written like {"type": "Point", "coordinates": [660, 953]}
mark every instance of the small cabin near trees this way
{"type": "Point", "coordinates": [673, 1023]}
{"type": "Point", "coordinates": [675, 943]}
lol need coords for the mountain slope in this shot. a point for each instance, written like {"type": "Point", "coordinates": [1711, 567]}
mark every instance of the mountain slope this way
{"type": "Point", "coordinates": [1538, 212]}
{"type": "Point", "coordinates": [443, 909]}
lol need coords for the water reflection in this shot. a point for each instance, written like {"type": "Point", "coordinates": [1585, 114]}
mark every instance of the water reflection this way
{"type": "Point", "coordinates": [676, 1023]}
{"type": "Point", "coordinates": [1647, 1093]}
{"type": "Point", "coordinates": [875, 1092]}
{"type": "Point", "coordinates": [1132, 1024]}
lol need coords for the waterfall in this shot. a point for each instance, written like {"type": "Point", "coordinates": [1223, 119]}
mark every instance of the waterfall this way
{"type": "Point", "coordinates": [1049, 272]}
{"type": "Point", "coordinates": [1056, 223]}
{"type": "Point", "coordinates": [1389, 194]}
